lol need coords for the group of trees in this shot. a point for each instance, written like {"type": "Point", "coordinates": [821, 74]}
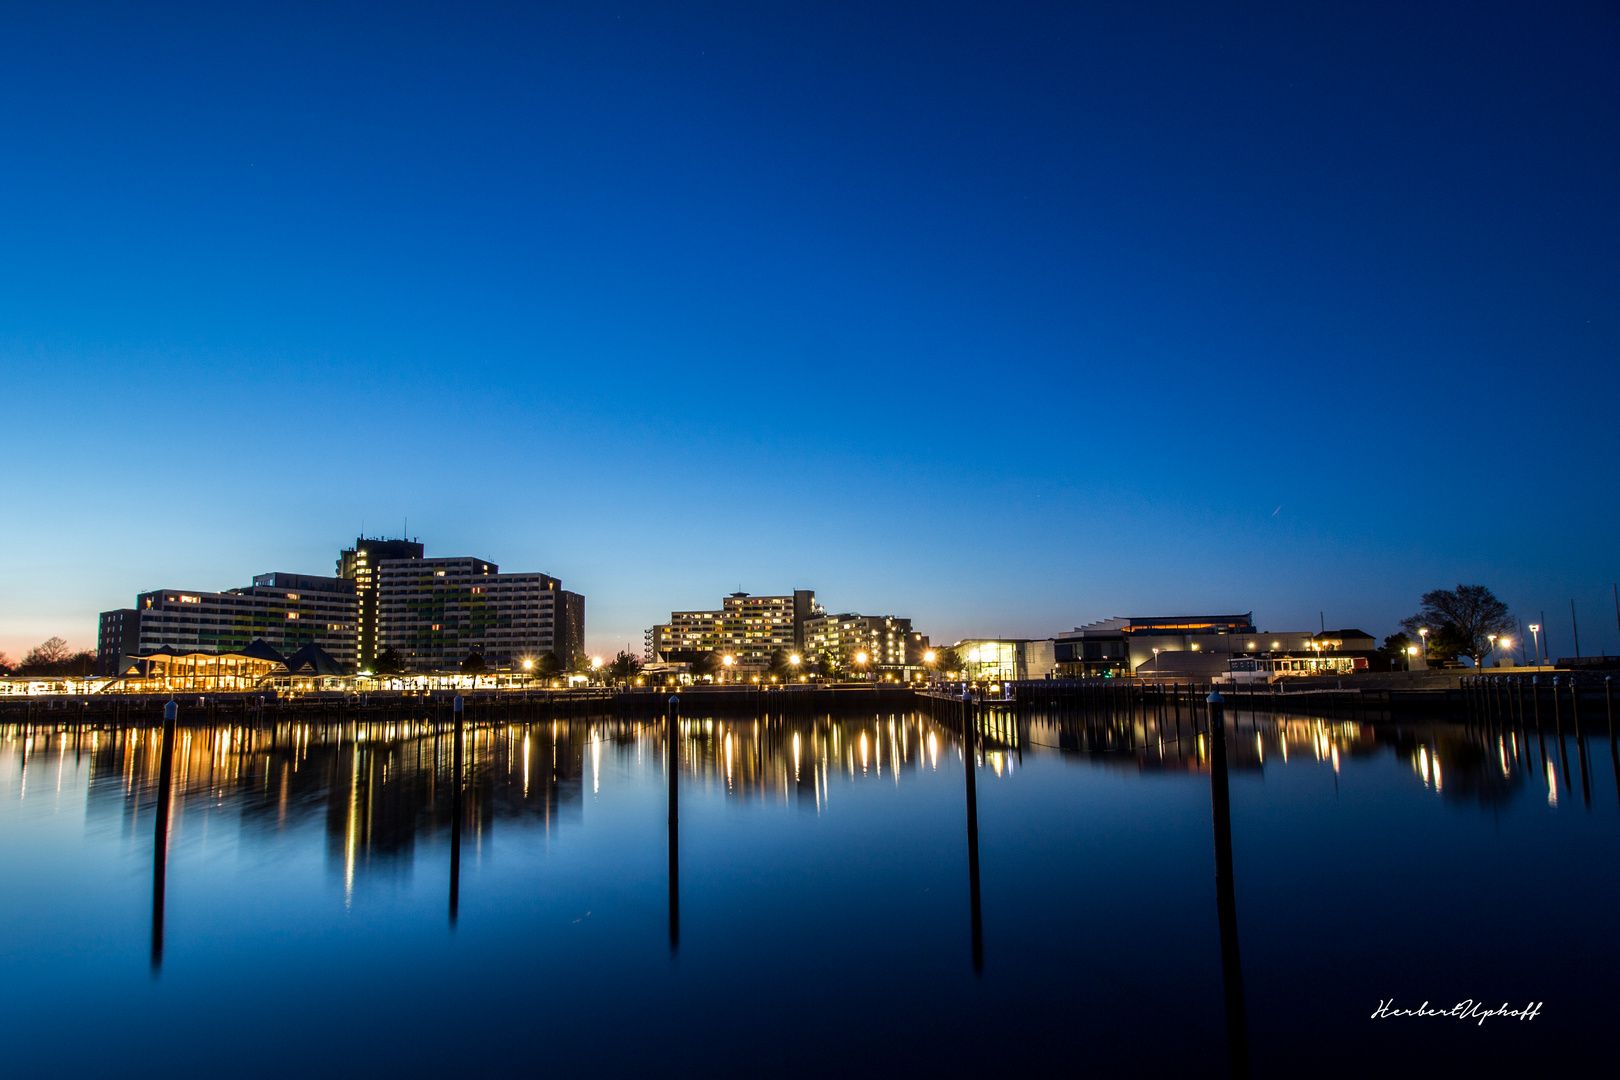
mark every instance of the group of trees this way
{"type": "Point", "coordinates": [51, 657]}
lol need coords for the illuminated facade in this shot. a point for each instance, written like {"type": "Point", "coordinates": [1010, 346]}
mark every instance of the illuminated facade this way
{"type": "Point", "coordinates": [1007, 658]}
{"type": "Point", "coordinates": [286, 611]}
{"type": "Point", "coordinates": [437, 612]}
{"type": "Point", "coordinates": [1205, 647]}
{"type": "Point", "coordinates": [359, 565]}
{"type": "Point", "coordinates": [1186, 646]}
{"type": "Point", "coordinates": [888, 639]}
{"type": "Point", "coordinates": [171, 669]}
{"type": "Point", "coordinates": [749, 628]}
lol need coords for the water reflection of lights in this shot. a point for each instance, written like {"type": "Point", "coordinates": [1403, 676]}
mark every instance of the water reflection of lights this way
{"type": "Point", "coordinates": [351, 837]}
{"type": "Point", "coordinates": [863, 750]}
{"type": "Point", "coordinates": [1552, 785]}
{"type": "Point", "coordinates": [596, 762]}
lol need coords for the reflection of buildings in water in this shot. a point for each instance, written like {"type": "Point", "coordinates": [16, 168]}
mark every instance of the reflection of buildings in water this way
{"type": "Point", "coordinates": [376, 795]}
{"type": "Point", "coordinates": [382, 796]}
{"type": "Point", "coordinates": [794, 761]}
{"type": "Point", "coordinates": [1459, 763]}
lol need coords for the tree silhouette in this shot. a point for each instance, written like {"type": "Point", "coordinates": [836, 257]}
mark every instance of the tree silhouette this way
{"type": "Point", "coordinates": [46, 658]}
{"type": "Point", "coordinates": [1461, 620]}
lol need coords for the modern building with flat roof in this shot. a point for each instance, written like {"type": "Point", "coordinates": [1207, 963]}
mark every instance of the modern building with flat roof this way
{"type": "Point", "coordinates": [359, 565]}
{"type": "Point", "coordinates": [749, 628]}
{"type": "Point", "coordinates": [318, 611]}
{"type": "Point", "coordinates": [437, 612]}
{"type": "Point", "coordinates": [888, 639]}
{"type": "Point", "coordinates": [1008, 658]}
{"type": "Point", "coordinates": [1123, 646]}
{"type": "Point", "coordinates": [118, 639]}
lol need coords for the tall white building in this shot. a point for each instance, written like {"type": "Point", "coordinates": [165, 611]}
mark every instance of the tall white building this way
{"type": "Point", "coordinates": [287, 611]}
{"type": "Point", "coordinates": [437, 612]}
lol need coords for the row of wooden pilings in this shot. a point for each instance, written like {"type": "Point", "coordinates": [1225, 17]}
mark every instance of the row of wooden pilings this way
{"type": "Point", "coordinates": [1539, 704]}
{"type": "Point", "coordinates": [1519, 699]}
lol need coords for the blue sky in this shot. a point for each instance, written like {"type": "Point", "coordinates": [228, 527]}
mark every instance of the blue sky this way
{"type": "Point", "coordinates": [1005, 318]}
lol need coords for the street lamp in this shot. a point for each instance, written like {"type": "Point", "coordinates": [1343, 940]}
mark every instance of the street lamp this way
{"type": "Point", "coordinates": [1492, 639]}
{"type": "Point", "coordinates": [728, 661]}
{"type": "Point", "coordinates": [1155, 661]}
{"type": "Point", "coordinates": [528, 665]}
{"type": "Point", "coordinates": [1535, 629]}
{"type": "Point", "coordinates": [860, 658]}
{"type": "Point", "coordinates": [1424, 634]}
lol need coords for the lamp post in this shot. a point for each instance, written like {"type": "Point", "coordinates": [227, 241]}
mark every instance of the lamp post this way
{"type": "Point", "coordinates": [728, 661]}
{"type": "Point", "coordinates": [1424, 634]}
{"type": "Point", "coordinates": [1535, 630]}
{"type": "Point", "coordinates": [1411, 651]}
{"type": "Point", "coordinates": [1492, 649]}
{"type": "Point", "coordinates": [860, 658]}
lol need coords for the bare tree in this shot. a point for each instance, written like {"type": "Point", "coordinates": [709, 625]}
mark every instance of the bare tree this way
{"type": "Point", "coordinates": [1468, 616]}
{"type": "Point", "coordinates": [46, 657]}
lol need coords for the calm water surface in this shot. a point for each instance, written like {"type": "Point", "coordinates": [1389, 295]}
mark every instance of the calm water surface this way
{"type": "Point", "coordinates": [825, 915]}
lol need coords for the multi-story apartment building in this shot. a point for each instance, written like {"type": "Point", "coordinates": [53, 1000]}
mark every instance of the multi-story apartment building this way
{"type": "Point", "coordinates": [359, 565]}
{"type": "Point", "coordinates": [887, 639]}
{"type": "Point", "coordinates": [748, 628]}
{"type": "Point", "coordinates": [118, 639]}
{"type": "Point", "coordinates": [287, 611]}
{"type": "Point", "coordinates": [437, 612]}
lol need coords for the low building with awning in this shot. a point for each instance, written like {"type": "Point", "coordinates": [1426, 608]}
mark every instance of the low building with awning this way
{"type": "Point", "coordinates": [168, 668]}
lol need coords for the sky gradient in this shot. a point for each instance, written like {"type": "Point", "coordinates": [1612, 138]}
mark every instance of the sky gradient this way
{"type": "Point", "coordinates": [1001, 318]}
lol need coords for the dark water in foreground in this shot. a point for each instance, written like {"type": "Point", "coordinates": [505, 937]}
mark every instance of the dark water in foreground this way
{"type": "Point", "coordinates": [824, 903]}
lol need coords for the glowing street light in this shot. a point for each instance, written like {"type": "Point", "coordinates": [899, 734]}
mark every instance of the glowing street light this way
{"type": "Point", "coordinates": [528, 665]}
{"type": "Point", "coordinates": [928, 657]}
{"type": "Point", "coordinates": [1535, 629]}
{"type": "Point", "coordinates": [728, 661]}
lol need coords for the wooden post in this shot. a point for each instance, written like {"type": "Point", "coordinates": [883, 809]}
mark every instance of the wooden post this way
{"type": "Point", "coordinates": [1237, 1027]}
{"type": "Point", "coordinates": [970, 753]}
{"type": "Point", "coordinates": [455, 812]}
{"type": "Point", "coordinates": [672, 739]}
{"type": "Point", "coordinates": [160, 838]}
{"type": "Point", "coordinates": [1614, 753]}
